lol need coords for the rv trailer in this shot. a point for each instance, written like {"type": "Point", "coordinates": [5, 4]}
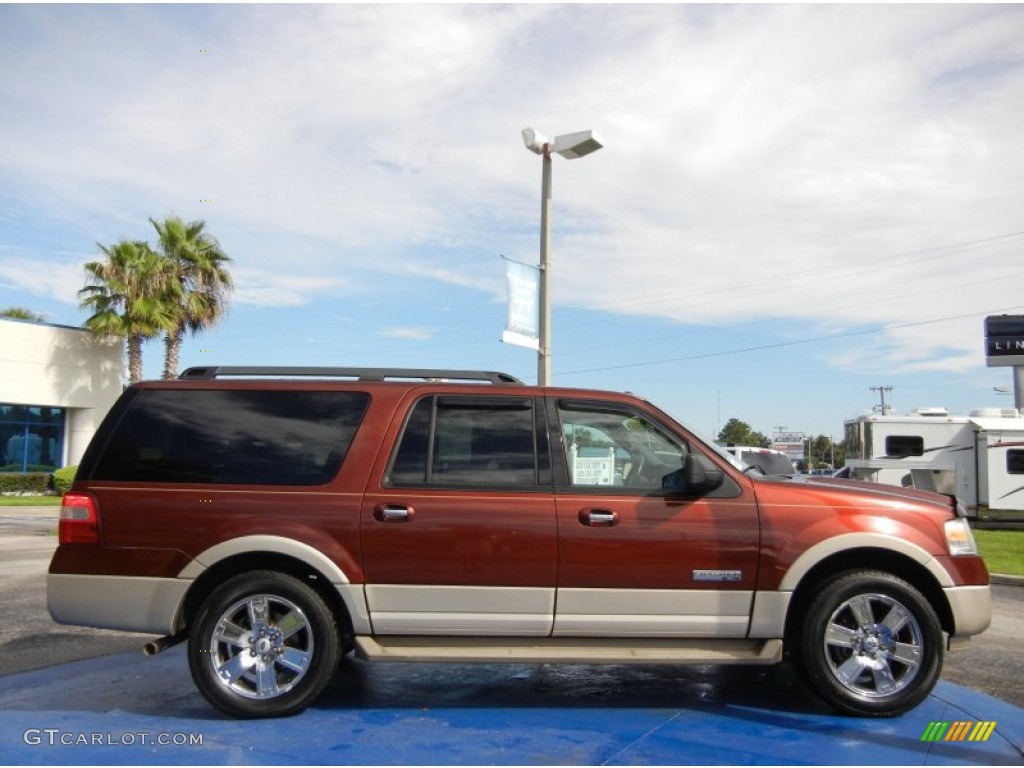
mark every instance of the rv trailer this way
{"type": "Point", "coordinates": [978, 458]}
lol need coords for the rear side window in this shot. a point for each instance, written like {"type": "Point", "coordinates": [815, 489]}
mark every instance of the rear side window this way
{"type": "Point", "coordinates": [453, 440]}
{"type": "Point", "coordinates": [216, 436]}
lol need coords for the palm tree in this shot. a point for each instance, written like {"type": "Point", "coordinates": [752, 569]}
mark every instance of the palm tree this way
{"type": "Point", "coordinates": [199, 281]}
{"type": "Point", "coordinates": [128, 293]}
{"type": "Point", "coordinates": [21, 313]}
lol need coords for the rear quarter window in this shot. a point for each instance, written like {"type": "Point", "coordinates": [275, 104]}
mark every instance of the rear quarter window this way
{"type": "Point", "coordinates": [232, 437]}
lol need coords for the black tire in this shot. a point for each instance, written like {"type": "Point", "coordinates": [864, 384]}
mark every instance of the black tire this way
{"type": "Point", "coordinates": [870, 644]}
{"type": "Point", "coordinates": [263, 644]}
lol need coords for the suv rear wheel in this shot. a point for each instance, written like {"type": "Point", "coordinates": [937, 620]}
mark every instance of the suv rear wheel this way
{"type": "Point", "coordinates": [263, 645]}
{"type": "Point", "coordinates": [871, 644]}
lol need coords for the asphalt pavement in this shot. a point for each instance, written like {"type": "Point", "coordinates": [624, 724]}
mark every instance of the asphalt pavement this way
{"type": "Point", "coordinates": [29, 638]}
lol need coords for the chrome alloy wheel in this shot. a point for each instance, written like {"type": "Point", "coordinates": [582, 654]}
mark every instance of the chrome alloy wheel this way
{"type": "Point", "coordinates": [261, 647]}
{"type": "Point", "coordinates": [873, 645]}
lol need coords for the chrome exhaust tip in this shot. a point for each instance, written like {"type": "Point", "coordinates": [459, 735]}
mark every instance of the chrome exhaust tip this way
{"type": "Point", "coordinates": [162, 644]}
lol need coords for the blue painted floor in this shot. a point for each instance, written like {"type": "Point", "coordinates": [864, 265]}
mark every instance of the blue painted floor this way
{"type": "Point", "coordinates": [128, 709]}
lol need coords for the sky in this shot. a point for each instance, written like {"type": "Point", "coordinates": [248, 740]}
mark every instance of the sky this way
{"type": "Point", "coordinates": [793, 204]}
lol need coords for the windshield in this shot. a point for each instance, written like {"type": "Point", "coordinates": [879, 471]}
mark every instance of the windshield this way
{"type": "Point", "coordinates": [768, 462]}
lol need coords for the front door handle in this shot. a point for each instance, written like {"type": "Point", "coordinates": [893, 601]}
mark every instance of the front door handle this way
{"type": "Point", "coordinates": [393, 513]}
{"type": "Point", "coordinates": [599, 518]}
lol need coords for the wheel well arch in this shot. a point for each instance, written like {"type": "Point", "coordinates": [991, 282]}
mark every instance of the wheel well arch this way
{"type": "Point", "coordinates": [229, 567]}
{"type": "Point", "coordinates": [867, 559]}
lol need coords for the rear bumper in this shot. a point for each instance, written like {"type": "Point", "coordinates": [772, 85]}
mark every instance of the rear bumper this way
{"type": "Point", "coordinates": [971, 607]}
{"type": "Point", "coordinates": [130, 603]}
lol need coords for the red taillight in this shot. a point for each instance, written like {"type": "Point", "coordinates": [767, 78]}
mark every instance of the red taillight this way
{"type": "Point", "coordinates": [79, 519]}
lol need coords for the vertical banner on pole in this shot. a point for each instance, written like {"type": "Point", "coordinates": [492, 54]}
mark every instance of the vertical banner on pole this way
{"type": "Point", "coordinates": [523, 304]}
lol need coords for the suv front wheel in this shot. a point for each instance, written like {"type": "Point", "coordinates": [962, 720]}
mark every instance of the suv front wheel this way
{"type": "Point", "coordinates": [263, 645]}
{"type": "Point", "coordinates": [871, 644]}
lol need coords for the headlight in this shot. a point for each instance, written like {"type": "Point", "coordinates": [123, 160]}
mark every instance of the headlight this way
{"type": "Point", "coordinates": [959, 539]}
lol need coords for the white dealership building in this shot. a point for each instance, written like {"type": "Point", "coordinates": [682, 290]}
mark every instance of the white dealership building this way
{"type": "Point", "coordinates": [56, 385]}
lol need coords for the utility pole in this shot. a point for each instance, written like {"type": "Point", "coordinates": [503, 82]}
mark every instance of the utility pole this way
{"type": "Point", "coordinates": [881, 390]}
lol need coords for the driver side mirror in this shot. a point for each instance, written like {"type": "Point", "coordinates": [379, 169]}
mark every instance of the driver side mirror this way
{"type": "Point", "coordinates": [697, 475]}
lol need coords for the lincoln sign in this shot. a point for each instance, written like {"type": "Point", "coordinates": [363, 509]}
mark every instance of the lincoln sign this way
{"type": "Point", "coordinates": [1004, 340]}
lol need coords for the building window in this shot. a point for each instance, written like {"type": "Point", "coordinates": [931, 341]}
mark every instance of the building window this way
{"type": "Point", "coordinates": [31, 438]}
{"type": "Point", "coordinates": [1015, 461]}
{"type": "Point", "coordinates": [901, 446]}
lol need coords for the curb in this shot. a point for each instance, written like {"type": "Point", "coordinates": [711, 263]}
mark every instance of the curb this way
{"type": "Point", "coordinates": [53, 512]}
{"type": "Point", "coordinates": [1006, 580]}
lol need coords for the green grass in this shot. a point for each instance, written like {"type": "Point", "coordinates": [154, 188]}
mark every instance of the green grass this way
{"type": "Point", "coordinates": [30, 501]}
{"type": "Point", "coordinates": [1003, 550]}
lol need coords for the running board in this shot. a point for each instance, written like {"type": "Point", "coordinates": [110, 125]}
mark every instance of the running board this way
{"type": "Point", "coordinates": [568, 650]}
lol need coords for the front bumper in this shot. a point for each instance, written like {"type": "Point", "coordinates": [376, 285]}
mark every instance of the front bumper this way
{"type": "Point", "coordinates": [972, 609]}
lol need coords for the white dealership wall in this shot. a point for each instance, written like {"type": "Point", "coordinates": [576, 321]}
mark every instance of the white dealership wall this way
{"type": "Point", "coordinates": [60, 366]}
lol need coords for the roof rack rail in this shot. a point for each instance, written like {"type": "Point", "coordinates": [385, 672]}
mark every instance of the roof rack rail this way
{"type": "Point", "coordinates": [360, 374]}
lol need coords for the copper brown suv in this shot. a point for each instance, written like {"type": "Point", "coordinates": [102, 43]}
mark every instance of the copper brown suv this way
{"type": "Point", "coordinates": [277, 518]}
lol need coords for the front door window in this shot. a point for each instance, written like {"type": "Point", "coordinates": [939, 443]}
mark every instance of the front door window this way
{"type": "Point", "coordinates": [616, 448]}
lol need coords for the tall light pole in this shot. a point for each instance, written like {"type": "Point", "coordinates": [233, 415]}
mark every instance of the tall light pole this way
{"type": "Point", "coordinates": [569, 146]}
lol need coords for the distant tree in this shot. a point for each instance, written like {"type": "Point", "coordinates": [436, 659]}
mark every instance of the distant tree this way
{"type": "Point", "coordinates": [199, 282]}
{"type": "Point", "coordinates": [740, 433]}
{"type": "Point", "coordinates": [21, 313]}
{"type": "Point", "coordinates": [826, 454]}
{"type": "Point", "coordinates": [128, 294]}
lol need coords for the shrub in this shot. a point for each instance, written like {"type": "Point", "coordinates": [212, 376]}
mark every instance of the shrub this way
{"type": "Point", "coordinates": [63, 478]}
{"type": "Point", "coordinates": [18, 483]}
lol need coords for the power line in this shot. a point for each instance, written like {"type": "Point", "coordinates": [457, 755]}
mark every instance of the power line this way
{"type": "Point", "coordinates": [813, 275]}
{"type": "Point", "coordinates": [904, 257]}
{"type": "Point", "coordinates": [739, 290]}
{"type": "Point", "coordinates": [832, 308]}
{"type": "Point", "coordinates": [827, 337]}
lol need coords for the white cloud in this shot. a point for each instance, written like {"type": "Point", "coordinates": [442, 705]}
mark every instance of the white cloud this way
{"type": "Point", "coordinates": [406, 332]}
{"type": "Point", "coordinates": [266, 288]}
{"type": "Point", "coordinates": [762, 162]}
{"type": "Point", "coordinates": [463, 277]}
{"type": "Point", "coordinates": [57, 279]}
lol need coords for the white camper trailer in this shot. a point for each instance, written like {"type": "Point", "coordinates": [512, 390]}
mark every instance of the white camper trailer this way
{"type": "Point", "coordinates": [978, 458]}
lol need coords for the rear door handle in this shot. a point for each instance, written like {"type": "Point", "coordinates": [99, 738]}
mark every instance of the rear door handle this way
{"type": "Point", "coordinates": [599, 518]}
{"type": "Point", "coordinates": [393, 513]}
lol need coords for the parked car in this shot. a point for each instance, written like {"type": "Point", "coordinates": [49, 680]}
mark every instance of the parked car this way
{"type": "Point", "coordinates": [767, 461]}
{"type": "Point", "coordinates": [278, 518]}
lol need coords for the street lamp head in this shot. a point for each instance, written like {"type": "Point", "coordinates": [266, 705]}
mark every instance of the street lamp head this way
{"type": "Point", "coordinates": [534, 141]}
{"type": "Point", "coordinates": [573, 145]}
{"type": "Point", "coordinates": [569, 146]}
